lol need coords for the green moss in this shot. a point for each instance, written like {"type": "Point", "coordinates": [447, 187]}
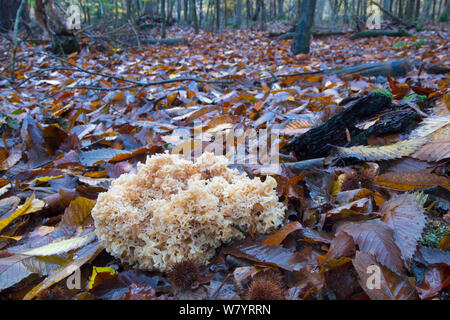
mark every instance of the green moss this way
{"type": "Point", "coordinates": [443, 18]}
{"type": "Point", "coordinates": [418, 96]}
{"type": "Point", "coordinates": [434, 234]}
{"type": "Point", "coordinates": [400, 44]}
{"type": "Point", "coordinates": [419, 43]}
{"type": "Point", "coordinates": [385, 92]}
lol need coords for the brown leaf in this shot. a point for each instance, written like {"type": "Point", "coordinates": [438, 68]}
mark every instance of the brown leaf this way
{"type": "Point", "coordinates": [405, 216]}
{"type": "Point", "coordinates": [277, 256]}
{"type": "Point", "coordinates": [392, 286]}
{"type": "Point", "coordinates": [406, 181]}
{"type": "Point", "coordinates": [434, 280]}
{"type": "Point", "coordinates": [377, 238]}
{"type": "Point", "coordinates": [278, 237]}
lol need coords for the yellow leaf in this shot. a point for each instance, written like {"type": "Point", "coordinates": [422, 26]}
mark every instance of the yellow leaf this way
{"type": "Point", "coordinates": [17, 238]}
{"type": "Point", "coordinates": [337, 185]}
{"type": "Point", "coordinates": [312, 78]}
{"type": "Point", "coordinates": [61, 246]}
{"type": "Point", "coordinates": [96, 271]}
{"type": "Point", "coordinates": [83, 255]}
{"type": "Point", "coordinates": [44, 179]}
{"type": "Point", "coordinates": [31, 205]}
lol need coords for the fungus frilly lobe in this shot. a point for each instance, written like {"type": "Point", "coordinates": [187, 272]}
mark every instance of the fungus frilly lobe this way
{"type": "Point", "coordinates": [173, 209]}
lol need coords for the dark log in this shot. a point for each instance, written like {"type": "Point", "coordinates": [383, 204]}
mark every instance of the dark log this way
{"type": "Point", "coordinates": [318, 142]}
{"type": "Point", "coordinates": [436, 69]}
{"type": "Point", "coordinates": [170, 41]}
{"type": "Point", "coordinates": [380, 33]}
{"type": "Point", "coordinates": [389, 123]}
{"type": "Point", "coordinates": [390, 68]}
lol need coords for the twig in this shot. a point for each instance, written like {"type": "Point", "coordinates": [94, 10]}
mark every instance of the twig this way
{"type": "Point", "coordinates": [216, 293]}
{"type": "Point", "coordinates": [274, 76]}
{"type": "Point", "coordinates": [137, 36]}
{"type": "Point", "coordinates": [15, 43]}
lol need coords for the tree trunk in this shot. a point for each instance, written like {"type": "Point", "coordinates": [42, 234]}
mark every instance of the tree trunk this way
{"type": "Point", "coordinates": [238, 10]}
{"type": "Point", "coordinates": [218, 14]}
{"type": "Point", "coordinates": [163, 17]}
{"type": "Point", "coordinates": [194, 16]}
{"type": "Point", "coordinates": [186, 12]}
{"type": "Point", "coordinates": [410, 10]}
{"type": "Point", "coordinates": [302, 38]}
{"type": "Point", "coordinates": [178, 11]}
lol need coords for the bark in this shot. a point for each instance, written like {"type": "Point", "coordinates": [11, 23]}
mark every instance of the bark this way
{"type": "Point", "coordinates": [302, 38]}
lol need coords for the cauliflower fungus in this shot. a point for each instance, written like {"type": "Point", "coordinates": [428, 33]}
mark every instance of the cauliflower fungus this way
{"type": "Point", "coordinates": [172, 209]}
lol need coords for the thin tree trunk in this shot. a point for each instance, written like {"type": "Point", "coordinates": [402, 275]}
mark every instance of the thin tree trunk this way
{"type": "Point", "coordinates": [15, 43]}
{"type": "Point", "coordinates": [218, 14]}
{"type": "Point", "coordinates": [163, 17]}
{"type": "Point", "coordinates": [238, 10]}
{"type": "Point", "coordinates": [194, 16]}
{"type": "Point", "coordinates": [302, 38]}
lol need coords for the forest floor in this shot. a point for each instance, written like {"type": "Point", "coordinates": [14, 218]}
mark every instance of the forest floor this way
{"type": "Point", "coordinates": [71, 125]}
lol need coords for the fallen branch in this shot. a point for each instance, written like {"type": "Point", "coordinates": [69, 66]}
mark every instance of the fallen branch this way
{"type": "Point", "coordinates": [169, 41]}
{"type": "Point", "coordinates": [390, 68]}
{"type": "Point", "coordinates": [380, 33]}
